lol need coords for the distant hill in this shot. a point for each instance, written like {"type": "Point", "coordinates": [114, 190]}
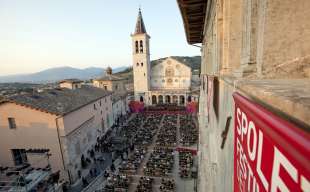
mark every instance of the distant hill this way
{"type": "Point", "coordinates": [193, 62]}
{"type": "Point", "coordinates": [56, 74]}
{"type": "Point", "coordinates": [59, 73]}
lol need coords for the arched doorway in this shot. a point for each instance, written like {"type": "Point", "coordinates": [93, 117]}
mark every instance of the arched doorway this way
{"type": "Point", "coordinates": [154, 100]}
{"type": "Point", "coordinates": [175, 99]}
{"type": "Point", "coordinates": [189, 99]}
{"type": "Point", "coordinates": [182, 100]}
{"type": "Point", "coordinates": [160, 99]}
{"type": "Point", "coordinates": [141, 99]}
{"type": "Point", "coordinates": [167, 98]}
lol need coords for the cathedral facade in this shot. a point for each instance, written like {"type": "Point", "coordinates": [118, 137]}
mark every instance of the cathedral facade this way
{"type": "Point", "coordinates": [164, 81]}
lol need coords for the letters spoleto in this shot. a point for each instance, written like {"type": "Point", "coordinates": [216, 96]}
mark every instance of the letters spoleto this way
{"type": "Point", "coordinates": [270, 154]}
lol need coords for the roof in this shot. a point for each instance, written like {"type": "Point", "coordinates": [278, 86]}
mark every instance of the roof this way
{"type": "Point", "coordinates": [110, 77]}
{"type": "Point", "coordinates": [193, 13]}
{"type": "Point", "coordinates": [60, 101]}
{"type": "Point", "coordinates": [70, 81]}
{"type": "Point", "coordinates": [140, 28]}
{"type": "Point", "coordinates": [192, 62]}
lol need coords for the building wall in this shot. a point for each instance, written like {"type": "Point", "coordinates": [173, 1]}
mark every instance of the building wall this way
{"type": "Point", "coordinates": [286, 25]}
{"type": "Point", "coordinates": [111, 85]}
{"type": "Point", "coordinates": [244, 39]}
{"type": "Point", "coordinates": [231, 14]}
{"type": "Point", "coordinates": [78, 117]}
{"type": "Point", "coordinates": [66, 85]}
{"type": "Point", "coordinates": [77, 131]}
{"type": "Point", "coordinates": [216, 164]}
{"type": "Point", "coordinates": [103, 84]}
{"type": "Point", "coordinates": [220, 55]}
{"type": "Point", "coordinates": [70, 85]}
{"type": "Point", "coordinates": [80, 130]}
{"type": "Point", "coordinates": [170, 74]}
{"type": "Point", "coordinates": [119, 108]}
{"type": "Point", "coordinates": [119, 86]}
{"type": "Point", "coordinates": [35, 130]}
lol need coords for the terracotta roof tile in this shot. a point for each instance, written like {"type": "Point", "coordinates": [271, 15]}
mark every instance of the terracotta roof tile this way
{"type": "Point", "coordinates": [60, 101]}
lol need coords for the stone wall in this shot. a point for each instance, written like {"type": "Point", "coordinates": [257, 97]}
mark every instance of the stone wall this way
{"type": "Point", "coordinates": [79, 130]}
{"type": "Point", "coordinates": [119, 108]}
{"type": "Point", "coordinates": [216, 163]}
{"type": "Point", "coordinates": [245, 44]}
{"type": "Point", "coordinates": [286, 32]}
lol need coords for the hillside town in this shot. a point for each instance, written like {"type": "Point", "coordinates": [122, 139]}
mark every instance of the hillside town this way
{"type": "Point", "coordinates": [235, 118]}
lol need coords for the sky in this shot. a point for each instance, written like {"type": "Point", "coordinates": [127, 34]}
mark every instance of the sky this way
{"type": "Point", "coordinates": [41, 34]}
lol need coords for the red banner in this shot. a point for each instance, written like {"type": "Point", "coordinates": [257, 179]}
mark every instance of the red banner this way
{"type": "Point", "coordinates": [270, 154]}
{"type": "Point", "coordinates": [192, 151]}
{"type": "Point", "coordinates": [136, 106]}
{"type": "Point", "coordinates": [192, 107]}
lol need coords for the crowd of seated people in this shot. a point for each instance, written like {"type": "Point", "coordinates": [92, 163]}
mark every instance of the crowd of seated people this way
{"type": "Point", "coordinates": [140, 132]}
{"type": "Point", "coordinates": [153, 119]}
{"type": "Point", "coordinates": [167, 185]}
{"type": "Point", "coordinates": [160, 162]}
{"type": "Point", "coordinates": [185, 164]}
{"type": "Point", "coordinates": [188, 130]}
{"type": "Point", "coordinates": [104, 143]}
{"type": "Point", "coordinates": [129, 131]}
{"type": "Point", "coordinates": [171, 107]}
{"type": "Point", "coordinates": [167, 136]}
{"type": "Point", "coordinates": [155, 108]}
{"type": "Point", "coordinates": [146, 133]}
{"type": "Point", "coordinates": [117, 182]}
{"type": "Point", "coordinates": [165, 108]}
{"type": "Point", "coordinates": [145, 184]}
{"type": "Point", "coordinates": [143, 137]}
{"type": "Point", "coordinates": [131, 165]}
{"type": "Point", "coordinates": [174, 107]}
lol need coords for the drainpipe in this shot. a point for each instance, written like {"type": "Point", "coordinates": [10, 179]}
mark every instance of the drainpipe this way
{"type": "Point", "coordinates": [61, 152]}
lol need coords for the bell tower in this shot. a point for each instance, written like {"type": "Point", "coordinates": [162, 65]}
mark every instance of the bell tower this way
{"type": "Point", "coordinates": [141, 60]}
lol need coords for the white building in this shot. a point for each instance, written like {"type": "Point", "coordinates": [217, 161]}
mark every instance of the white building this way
{"type": "Point", "coordinates": [167, 80]}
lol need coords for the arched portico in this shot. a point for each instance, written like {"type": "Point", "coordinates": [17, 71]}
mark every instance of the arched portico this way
{"type": "Point", "coordinates": [175, 99]}
{"type": "Point", "coordinates": [160, 99]}
{"type": "Point", "coordinates": [154, 100]}
{"type": "Point", "coordinates": [189, 98]}
{"type": "Point", "coordinates": [182, 100]}
{"type": "Point", "coordinates": [167, 99]}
